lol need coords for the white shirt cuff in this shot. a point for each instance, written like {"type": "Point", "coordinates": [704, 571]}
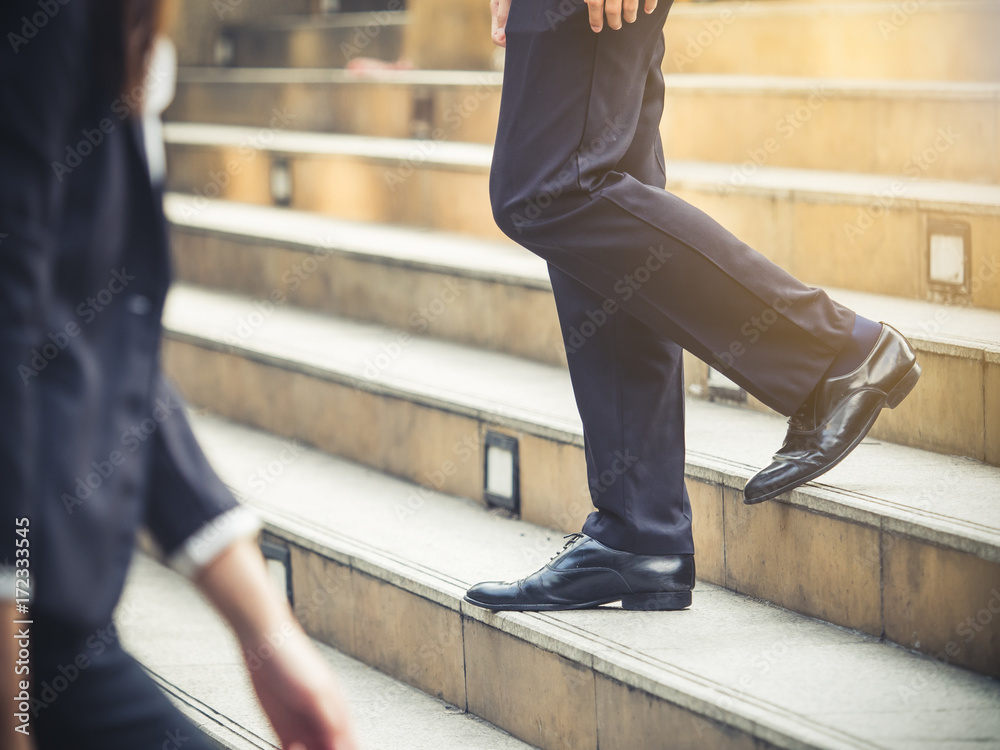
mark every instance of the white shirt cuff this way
{"type": "Point", "coordinates": [7, 575]}
{"type": "Point", "coordinates": [210, 540]}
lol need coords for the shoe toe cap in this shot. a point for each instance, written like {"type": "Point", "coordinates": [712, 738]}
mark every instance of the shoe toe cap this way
{"type": "Point", "coordinates": [491, 593]}
{"type": "Point", "coordinates": [769, 482]}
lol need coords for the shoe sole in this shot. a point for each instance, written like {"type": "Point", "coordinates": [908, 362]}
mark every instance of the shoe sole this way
{"type": "Point", "coordinates": [658, 602]}
{"type": "Point", "coordinates": [893, 399]}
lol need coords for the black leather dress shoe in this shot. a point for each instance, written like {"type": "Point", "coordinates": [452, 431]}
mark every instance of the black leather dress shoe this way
{"type": "Point", "coordinates": [586, 573]}
{"type": "Point", "coordinates": [837, 416]}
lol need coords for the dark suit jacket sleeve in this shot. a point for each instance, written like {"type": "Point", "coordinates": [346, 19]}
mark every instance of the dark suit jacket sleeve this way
{"type": "Point", "coordinates": [38, 92]}
{"type": "Point", "coordinates": [190, 512]}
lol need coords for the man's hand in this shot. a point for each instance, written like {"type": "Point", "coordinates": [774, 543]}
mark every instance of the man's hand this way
{"type": "Point", "coordinates": [499, 10]}
{"type": "Point", "coordinates": [617, 12]}
{"type": "Point", "coordinates": [295, 688]}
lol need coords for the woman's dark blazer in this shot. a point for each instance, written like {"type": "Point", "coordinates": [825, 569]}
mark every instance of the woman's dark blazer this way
{"type": "Point", "coordinates": [93, 442]}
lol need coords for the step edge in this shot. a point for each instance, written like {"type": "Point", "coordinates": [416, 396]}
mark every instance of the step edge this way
{"type": "Point", "coordinates": [223, 732]}
{"type": "Point", "coordinates": [207, 74]}
{"type": "Point", "coordinates": [325, 20]}
{"type": "Point", "coordinates": [791, 8]}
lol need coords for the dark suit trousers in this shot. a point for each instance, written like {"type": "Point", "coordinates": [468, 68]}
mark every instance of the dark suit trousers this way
{"type": "Point", "coordinates": [637, 273]}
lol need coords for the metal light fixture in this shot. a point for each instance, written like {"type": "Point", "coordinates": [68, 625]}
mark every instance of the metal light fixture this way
{"type": "Point", "coordinates": [502, 472]}
{"type": "Point", "coordinates": [948, 260]}
{"type": "Point", "coordinates": [224, 50]}
{"type": "Point", "coordinates": [281, 182]}
{"type": "Point", "coordinates": [278, 559]}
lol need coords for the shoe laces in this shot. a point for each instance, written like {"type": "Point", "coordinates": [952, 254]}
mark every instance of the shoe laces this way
{"type": "Point", "coordinates": [570, 541]}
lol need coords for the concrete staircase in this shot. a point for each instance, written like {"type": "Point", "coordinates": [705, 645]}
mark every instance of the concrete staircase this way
{"type": "Point", "coordinates": [354, 329]}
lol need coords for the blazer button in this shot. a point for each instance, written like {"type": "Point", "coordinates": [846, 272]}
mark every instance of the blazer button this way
{"type": "Point", "coordinates": [139, 304]}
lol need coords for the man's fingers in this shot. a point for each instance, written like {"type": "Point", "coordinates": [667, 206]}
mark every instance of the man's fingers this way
{"type": "Point", "coordinates": [650, 6]}
{"type": "Point", "coordinates": [595, 12]}
{"type": "Point", "coordinates": [630, 10]}
{"type": "Point", "coordinates": [613, 12]}
{"type": "Point", "coordinates": [498, 12]}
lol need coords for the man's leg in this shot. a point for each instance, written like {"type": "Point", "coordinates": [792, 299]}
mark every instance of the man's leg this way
{"type": "Point", "coordinates": [563, 186]}
{"type": "Point", "coordinates": [628, 382]}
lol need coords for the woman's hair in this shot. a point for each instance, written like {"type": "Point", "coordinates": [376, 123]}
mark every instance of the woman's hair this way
{"type": "Point", "coordinates": [125, 31]}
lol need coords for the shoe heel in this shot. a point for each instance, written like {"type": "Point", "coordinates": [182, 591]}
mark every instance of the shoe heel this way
{"type": "Point", "coordinates": [903, 387]}
{"type": "Point", "coordinates": [657, 602]}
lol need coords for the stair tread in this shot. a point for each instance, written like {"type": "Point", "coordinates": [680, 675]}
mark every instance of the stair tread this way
{"type": "Point", "coordinates": [898, 191]}
{"type": "Point", "coordinates": [961, 330]}
{"type": "Point", "coordinates": [769, 8]}
{"type": "Point", "coordinates": [881, 485]}
{"type": "Point", "coordinates": [200, 666]}
{"type": "Point", "coordinates": [240, 75]}
{"type": "Point", "coordinates": [708, 83]}
{"type": "Point", "coordinates": [752, 665]}
{"type": "Point", "coordinates": [321, 20]}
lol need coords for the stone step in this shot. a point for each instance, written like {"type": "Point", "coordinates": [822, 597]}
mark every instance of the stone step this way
{"type": "Point", "coordinates": [324, 41]}
{"type": "Point", "coordinates": [439, 104]}
{"type": "Point", "coordinates": [864, 232]}
{"type": "Point", "coordinates": [428, 35]}
{"type": "Point", "coordinates": [201, 669]}
{"type": "Point", "coordinates": [731, 672]}
{"type": "Point", "coordinates": [892, 541]}
{"type": "Point", "coordinates": [497, 296]}
{"type": "Point", "coordinates": [882, 39]}
{"type": "Point", "coordinates": [922, 129]}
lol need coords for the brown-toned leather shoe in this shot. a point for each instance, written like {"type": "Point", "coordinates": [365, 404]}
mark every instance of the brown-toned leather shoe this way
{"type": "Point", "coordinates": [837, 416]}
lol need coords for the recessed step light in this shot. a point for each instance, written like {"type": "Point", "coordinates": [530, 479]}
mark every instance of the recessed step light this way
{"type": "Point", "coordinates": [502, 472]}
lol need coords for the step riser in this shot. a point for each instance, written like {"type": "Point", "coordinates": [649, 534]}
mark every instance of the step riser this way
{"type": "Point", "coordinates": [515, 319]}
{"type": "Point", "coordinates": [875, 244]}
{"type": "Point", "coordinates": [538, 696]}
{"type": "Point", "coordinates": [830, 130]}
{"type": "Point", "coordinates": [955, 408]}
{"type": "Point", "coordinates": [378, 36]}
{"type": "Point", "coordinates": [353, 188]}
{"type": "Point", "coordinates": [821, 128]}
{"type": "Point", "coordinates": [383, 109]}
{"type": "Point", "coordinates": [891, 40]}
{"type": "Point", "coordinates": [855, 575]}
